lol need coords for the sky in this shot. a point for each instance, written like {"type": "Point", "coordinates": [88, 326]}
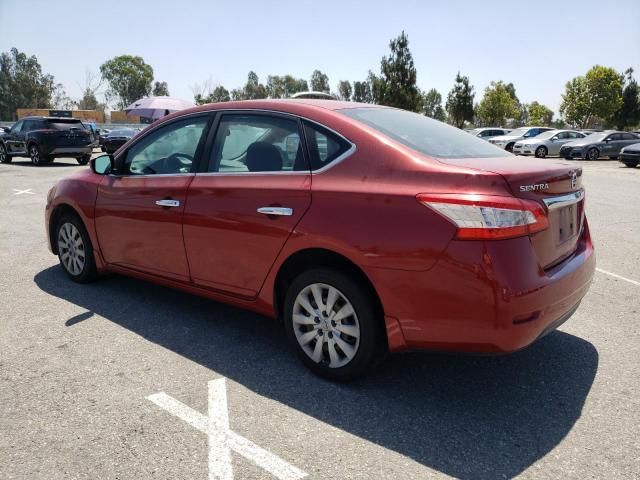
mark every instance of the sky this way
{"type": "Point", "coordinates": [538, 46]}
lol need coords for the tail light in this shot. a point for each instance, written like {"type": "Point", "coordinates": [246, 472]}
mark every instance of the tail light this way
{"type": "Point", "coordinates": [480, 217]}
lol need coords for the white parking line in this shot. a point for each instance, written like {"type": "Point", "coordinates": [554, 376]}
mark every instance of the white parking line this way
{"type": "Point", "coordinates": [614, 275]}
{"type": "Point", "coordinates": [221, 439]}
{"type": "Point", "coordinates": [20, 192]}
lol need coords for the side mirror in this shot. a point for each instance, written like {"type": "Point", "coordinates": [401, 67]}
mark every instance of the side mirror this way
{"type": "Point", "coordinates": [101, 165]}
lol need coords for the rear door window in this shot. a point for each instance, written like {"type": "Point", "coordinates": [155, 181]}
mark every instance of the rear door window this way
{"type": "Point", "coordinates": [325, 147]}
{"type": "Point", "coordinates": [247, 143]}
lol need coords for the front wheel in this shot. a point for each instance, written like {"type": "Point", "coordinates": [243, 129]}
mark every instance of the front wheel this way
{"type": "Point", "coordinates": [541, 152]}
{"type": "Point", "coordinates": [631, 164]}
{"type": "Point", "coordinates": [4, 156]}
{"type": "Point", "coordinates": [34, 153]}
{"type": "Point", "coordinates": [74, 249]}
{"type": "Point", "coordinates": [509, 147]}
{"type": "Point", "coordinates": [593, 154]}
{"type": "Point", "coordinates": [332, 323]}
{"type": "Point", "coordinates": [84, 159]}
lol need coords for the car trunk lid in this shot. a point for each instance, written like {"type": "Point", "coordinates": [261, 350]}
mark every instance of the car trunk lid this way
{"type": "Point", "coordinates": [555, 184]}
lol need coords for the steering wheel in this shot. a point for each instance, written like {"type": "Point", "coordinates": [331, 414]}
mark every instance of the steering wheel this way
{"type": "Point", "coordinates": [182, 159]}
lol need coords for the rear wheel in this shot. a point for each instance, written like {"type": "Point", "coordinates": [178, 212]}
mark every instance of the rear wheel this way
{"type": "Point", "coordinates": [332, 323]}
{"type": "Point", "coordinates": [34, 154]}
{"type": "Point", "coordinates": [4, 156]}
{"type": "Point", "coordinates": [541, 152]}
{"type": "Point", "coordinates": [84, 159]}
{"type": "Point", "coordinates": [509, 147]}
{"type": "Point", "coordinates": [593, 154]}
{"type": "Point", "coordinates": [74, 249]}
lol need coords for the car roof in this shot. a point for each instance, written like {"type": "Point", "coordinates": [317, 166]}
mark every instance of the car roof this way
{"type": "Point", "coordinates": [39, 117]}
{"type": "Point", "coordinates": [290, 105]}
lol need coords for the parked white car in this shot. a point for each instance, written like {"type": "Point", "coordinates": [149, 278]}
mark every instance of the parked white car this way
{"type": "Point", "coordinates": [489, 132]}
{"type": "Point", "coordinates": [547, 143]}
{"type": "Point", "coordinates": [508, 141]}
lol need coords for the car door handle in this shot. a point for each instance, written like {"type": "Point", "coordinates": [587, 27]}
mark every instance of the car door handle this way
{"type": "Point", "coordinates": [284, 211]}
{"type": "Point", "coordinates": [168, 203]}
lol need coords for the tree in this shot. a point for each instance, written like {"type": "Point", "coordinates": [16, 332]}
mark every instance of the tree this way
{"type": "Point", "coordinates": [498, 104]}
{"type": "Point", "coordinates": [160, 89]}
{"type": "Point", "coordinates": [629, 112]}
{"type": "Point", "coordinates": [129, 79]}
{"type": "Point", "coordinates": [22, 84]}
{"type": "Point", "coordinates": [575, 106]}
{"type": "Point", "coordinates": [432, 104]}
{"type": "Point", "coordinates": [539, 115]}
{"type": "Point", "coordinates": [253, 89]}
{"type": "Point", "coordinates": [596, 95]}
{"type": "Point", "coordinates": [89, 100]}
{"type": "Point", "coordinates": [319, 82]}
{"type": "Point", "coordinates": [285, 86]}
{"type": "Point", "coordinates": [60, 99]}
{"type": "Point", "coordinates": [219, 94]}
{"type": "Point", "coordinates": [376, 87]}
{"type": "Point", "coordinates": [362, 92]}
{"type": "Point", "coordinates": [345, 90]}
{"type": "Point", "coordinates": [460, 101]}
{"type": "Point", "coordinates": [396, 86]}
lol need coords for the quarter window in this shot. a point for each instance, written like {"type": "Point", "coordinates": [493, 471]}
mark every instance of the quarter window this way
{"type": "Point", "coordinates": [169, 150]}
{"type": "Point", "coordinates": [257, 143]}
{"type": "Point", "coordinates": [324, 146]}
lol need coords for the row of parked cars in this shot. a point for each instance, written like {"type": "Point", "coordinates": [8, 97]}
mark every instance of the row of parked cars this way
{"type": "Point", "coordinates": [43, 139]}
{"type": "Point", "coordinates": [569, 144]}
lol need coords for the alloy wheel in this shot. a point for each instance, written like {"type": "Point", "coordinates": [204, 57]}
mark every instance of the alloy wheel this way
{"type": "Point", "coordinates": [541, 152]}
{"type": "Point", "coordinates": [326, 325]}
{"type": "Point", "coordinates": [35, 155]}
{"type": "Point", "coordinates": [71, 248]}
{"type": "Point", "coordinates": [593, 154]}
{"type": "Point", "coordinates": [3, 154]}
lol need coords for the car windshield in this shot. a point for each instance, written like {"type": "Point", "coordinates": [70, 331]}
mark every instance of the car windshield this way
{"type": "Point", "coordinates": [424, 134]}
{"type": "Point", "coordinates": [545, 135]}
{"type": "Point", "coordinates": [122, 133]}
{"type": "Point", "coordinates": [597, 137]}
{"type": "Point", "coordinates": [518, 132]}
{"type": "Point", "coordinates": [64, 124]}
{"type": "Point", "coordinates": [475, 131]}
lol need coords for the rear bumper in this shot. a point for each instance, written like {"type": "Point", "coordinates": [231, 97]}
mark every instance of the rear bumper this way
{"type": "Point", "coordinates": [71, 151]}
{"type": "Point", "coordinates": [483, 297]}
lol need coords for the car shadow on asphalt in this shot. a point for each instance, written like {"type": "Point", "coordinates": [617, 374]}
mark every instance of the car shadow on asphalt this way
{"type": "Point", "coordinates": [54, 164]}
{"type": "Point", "coordinates": [465, 416]}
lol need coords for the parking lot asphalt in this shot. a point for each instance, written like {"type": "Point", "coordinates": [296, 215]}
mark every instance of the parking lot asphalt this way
{"type": "Point", "coordinates": [80, 365]}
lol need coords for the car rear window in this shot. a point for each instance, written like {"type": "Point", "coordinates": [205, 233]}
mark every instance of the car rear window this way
{"type": "Point", "coordinates": [64, 124]}
{"type": "Point", "coordinates": [424, 134]}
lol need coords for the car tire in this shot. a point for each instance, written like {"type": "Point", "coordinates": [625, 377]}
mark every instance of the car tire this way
{"type": "Point", "coordinates": [340, 349]}
{"type": "Point", "coordinates": [75, 251]}
{"type": "Point", "coordinates": [541, 152]}
{"type": "Point", "coordinates": [592, 154]}
{"type": "Point", "coordinates": [631, 164]}
{"type": "Point", "coordinates": [34, 153]}
{"type": "Point", "coordinates": [614, 157]}
{"type": "Point", "coordinates": [4, 156]}
{"type": "Point", "coordinates": [84, 159]}
{"type": "Point", "coordinates": [509, 147]}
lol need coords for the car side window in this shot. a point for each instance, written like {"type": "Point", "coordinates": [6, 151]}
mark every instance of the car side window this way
{"type": "Point", "coordinates": [324, 146]}
{"type": "Point", "coordinates": [628, 136]}
{"type": "Point", "coordinates": [17, 128]}
{"type": "Point", "coordinates": [614, 136]}
{"type": "Point", "coordinates": [247, 143]}
{"type": "Point", "coordinates": [169, 150]}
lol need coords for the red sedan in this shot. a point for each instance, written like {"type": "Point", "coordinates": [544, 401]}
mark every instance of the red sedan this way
{"type": "Point", "coordinates": [365, 229]}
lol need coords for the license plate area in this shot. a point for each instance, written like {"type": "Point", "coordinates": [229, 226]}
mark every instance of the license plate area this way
{"type": "Point", "coordinates": [567, 223]}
